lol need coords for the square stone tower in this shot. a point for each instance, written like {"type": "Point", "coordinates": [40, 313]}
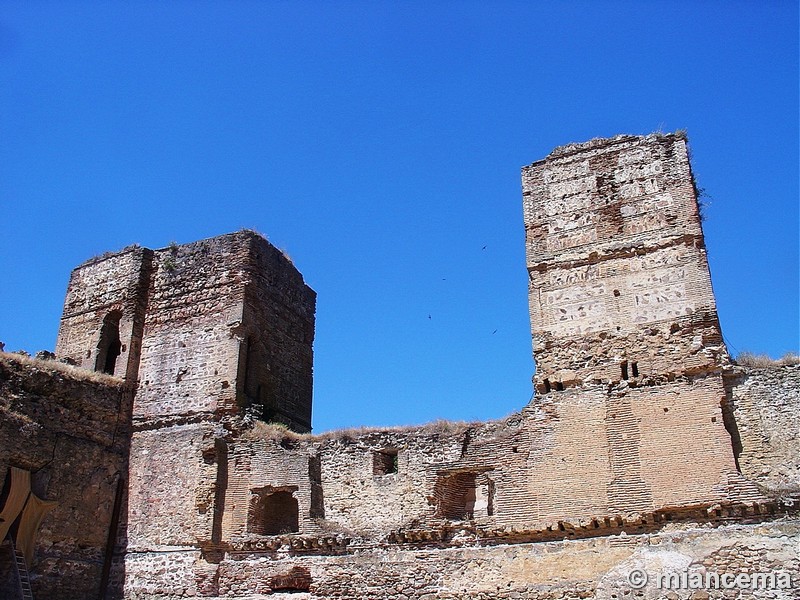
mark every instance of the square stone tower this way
{"type": "Point", "coordinates": [209, 335]}
{"type": "Point", "coordinates": [619, 281]}
{"type": "Point", "coordinates": [221, 326]}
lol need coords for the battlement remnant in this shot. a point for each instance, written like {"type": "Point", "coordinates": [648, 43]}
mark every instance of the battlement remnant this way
{"type": "Point", "coordinates": [619, 281]}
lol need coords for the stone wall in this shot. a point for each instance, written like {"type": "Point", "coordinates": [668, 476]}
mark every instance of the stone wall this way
{"type": "Point", "coordinates": [229, 328]}
{"type": "Point", "coordinates": [575, 459]}
{"type": "Point", "coordinates": [364, 532]}
{"type": "Point", "coordinates": [215, 326]}
{"type": "Point", "coordinates": [544, 505]}
{"type": "Point", "coordinates": [279, 328]}
{"type": "Point", "coordinates": [70, 428]}
{"type": "Point", "coordinates": [643, 446]}
{"type": "Point", "coordinates": [765, 408]}
{"type": "Point", "coordinates": [564, 569]}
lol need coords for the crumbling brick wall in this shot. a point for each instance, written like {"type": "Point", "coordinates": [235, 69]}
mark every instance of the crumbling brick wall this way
{"type": "Point", "coordinates": [639, 425]}
{"type": "Point", "coordinates": [108, 291]}
{"type": "Point", "coordinates": [564, 568]}
{"type": "Point", "coordinates": [228, 329]}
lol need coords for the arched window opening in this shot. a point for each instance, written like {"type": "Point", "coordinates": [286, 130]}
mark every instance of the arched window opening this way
{"type": "Point", "coordinates": [109, 347]}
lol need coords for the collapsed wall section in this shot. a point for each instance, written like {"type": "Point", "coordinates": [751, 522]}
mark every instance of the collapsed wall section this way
{"type": "Point", "coordinates": [70, 429]}
{"type": "Point", "coordinates": [762, 410]}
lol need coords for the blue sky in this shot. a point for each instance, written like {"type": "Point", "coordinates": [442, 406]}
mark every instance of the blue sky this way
{"type": "Point", "coordinates": [380, 144]}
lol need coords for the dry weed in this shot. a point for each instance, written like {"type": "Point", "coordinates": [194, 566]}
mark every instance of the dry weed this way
{"type": "Point", "coordinates": [764, 361]}
{"type": "Point", "coordinates": [53, 366]}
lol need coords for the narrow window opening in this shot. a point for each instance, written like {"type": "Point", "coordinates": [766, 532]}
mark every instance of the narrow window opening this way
{"type": "Point", "coordinates": [384, 462]}
{"type": "Point", "coordinates": [559, 386]}
{"type": "Point", "coordinates": [109, 346]}
{"type": "Point", "coordinates": [635, 369]}
{"type": "Point", "coordinates": [490, 489]}
{"type": "Point", "coordinates": [547, 387]}
{"type": "Point", "coordinates": [624, 367]}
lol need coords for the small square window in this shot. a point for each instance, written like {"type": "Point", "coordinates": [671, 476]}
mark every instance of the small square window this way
{"type": "Point", "coordinates": [384, 462]}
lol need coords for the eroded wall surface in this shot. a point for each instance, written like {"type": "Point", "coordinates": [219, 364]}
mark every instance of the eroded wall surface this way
{"type": "Point", "coordinates": [586, 568]}
{"type": "Point", "coordinates": [363, 532]}
{"type": "Point", "coordinates": [227, 339]}
{"type": "Point", "coordinates": [641, 447]}
{"type": "Point", "coordinates": [110, 287]}
{"type": "Point", "coordinates": [617, 263]}
{"type": "Point", "coordinates": [765, 406]}
{"type": "Point", "coordinates": [71, 430]}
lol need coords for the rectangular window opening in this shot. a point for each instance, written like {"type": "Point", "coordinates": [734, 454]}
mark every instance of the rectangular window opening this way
{"type": "Point", "coordinates": [635, 369]}
{"type": "Point", "coordinates": [455, 496]}
{"type": "Point", "coordinates": [273, 511]}
{"type": "Point", "coordinates": [624, 367]}
{"type": "Point", "coordinates": [384, 462]}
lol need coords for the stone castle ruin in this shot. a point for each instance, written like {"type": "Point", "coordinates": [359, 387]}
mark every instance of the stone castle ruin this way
{"type": "Point", "coordinates": [157, 470]}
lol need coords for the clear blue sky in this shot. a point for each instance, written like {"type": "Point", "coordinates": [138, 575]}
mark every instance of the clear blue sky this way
{"type": "Point", "coordinates": [380, 144]}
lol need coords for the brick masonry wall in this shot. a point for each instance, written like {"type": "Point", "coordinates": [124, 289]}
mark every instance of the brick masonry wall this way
{"type": "Point", "coordinates": [571, 457]}
{"type": "Point", "coordinates": [640, 447]}
{"type": "Point", "coordinates": [70, 428]}
{"type": "Point", "coordinates": [190, 351]}
{"type": "Point", "coordinates": [364, 507]}
{"type": "Point", "coordinates": [279, 316]}
{"type": "Point", "coordinates": [227, 339]}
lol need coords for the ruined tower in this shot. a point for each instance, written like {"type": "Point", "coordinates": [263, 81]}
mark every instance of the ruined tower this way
{"type": "Point", "coordinates": [619, 280]}
{"type": "Point", "coordinates": [222, 326]}
{"type": "Point", "coordinates": [210, 335]}
{"type": "Point", "coordinates": [165, 489]}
